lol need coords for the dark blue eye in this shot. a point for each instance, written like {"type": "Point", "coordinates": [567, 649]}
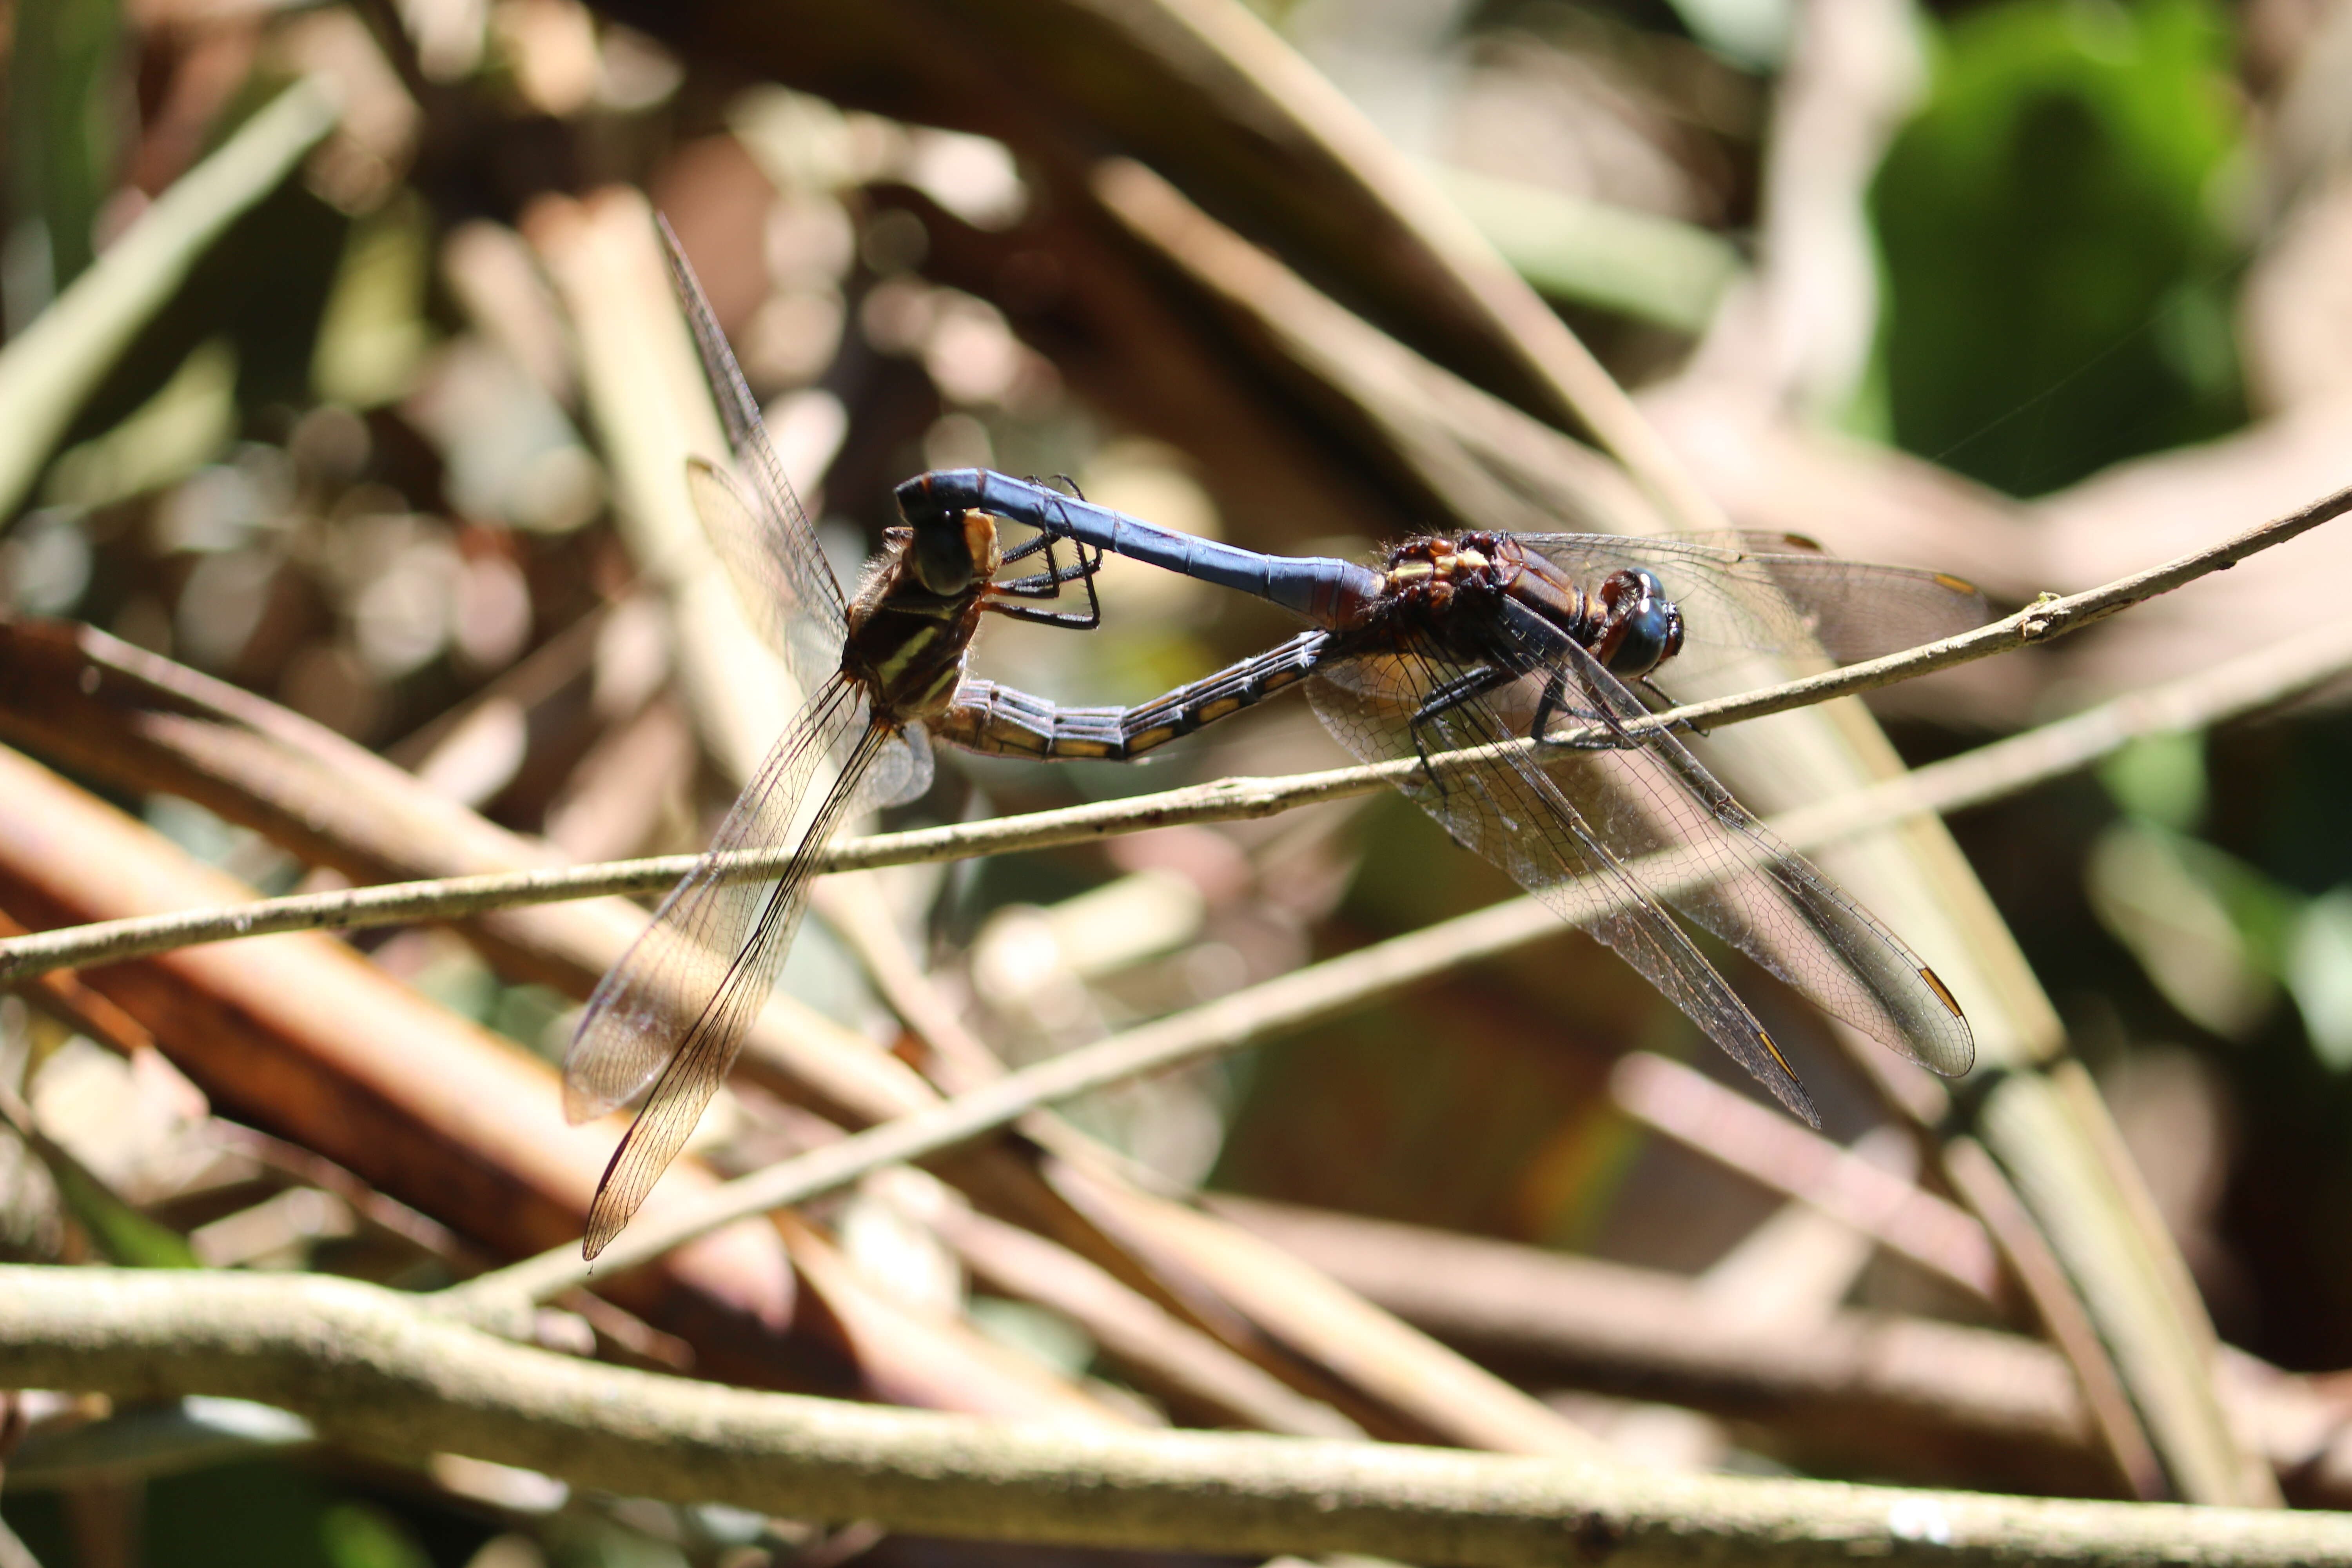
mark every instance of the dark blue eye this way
{"type": "Point", "coordinates": [1642, 644]}
{"type": "Point", "coordinates": [1646, 626]}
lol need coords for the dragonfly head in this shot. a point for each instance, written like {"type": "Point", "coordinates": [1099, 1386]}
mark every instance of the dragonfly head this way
{"type": "Point", "coordinates": [1645, 627]}
{"type": "Point", "coordinates": [952, 552]}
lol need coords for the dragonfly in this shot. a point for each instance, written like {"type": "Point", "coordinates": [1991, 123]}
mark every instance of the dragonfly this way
{"type": "Point", "coordinates": [877, 669]}
{"type": "Point", "coordinates": [1506, 666]}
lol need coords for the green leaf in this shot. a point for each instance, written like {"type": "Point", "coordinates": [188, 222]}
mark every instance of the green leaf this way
{"type": "Point", "coordinates": [2161, 778]}
{"type": "Point", "coordinates": [51, 367]}
{"type": "Point", "coordinates": [2319, 975]}
{"type": "Point", "coordinates": [2211, 930]}
{"type": "Point", "coordinates": [1590, 253]}
{"type": "Point", "coordinates": [126, 1238]}
{"type": "Point", "coordinates": [2055, 269]}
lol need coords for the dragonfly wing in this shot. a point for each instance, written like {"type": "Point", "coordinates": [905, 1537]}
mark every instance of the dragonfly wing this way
{"type": "Point", "coordinates": [1718, 864]}
{"type": "Point", "coordinates": [804, 626]}
{"type": "Point", "coordinates": [1739, 598]}
{"type": "Point", "coordinates": [1513, 813]}
{"type": "Point", "coordinates": [779, 549]}
{"type": "Point", "coordinates": [901, 770]}
{"type": "Point", "coordinates": [673, 1012]}
{"type": "Point", "coordinates": [1860, 612]}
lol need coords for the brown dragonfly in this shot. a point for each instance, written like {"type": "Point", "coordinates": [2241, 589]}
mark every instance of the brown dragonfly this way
{"type": "Point", "coordinates": [877, 669]}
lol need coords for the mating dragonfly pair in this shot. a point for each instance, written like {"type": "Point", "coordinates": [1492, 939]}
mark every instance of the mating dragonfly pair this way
{"type": "Point", "coordinates": [1518, 650]}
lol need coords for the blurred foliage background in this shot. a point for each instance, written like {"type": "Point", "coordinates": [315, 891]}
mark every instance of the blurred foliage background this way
{"type": "Point", "coordinates": [2094, 312]}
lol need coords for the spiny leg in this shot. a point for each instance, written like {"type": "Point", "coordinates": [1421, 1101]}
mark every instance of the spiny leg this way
{"type": "Point", "coordinates": [1047, 584]}
{"type": "Point", "coordinates": [1447, 696]}
{"type": "Point", "coordinates": [1555, 700]}
{"type": "Point", "coordinates": [1044, 583]}
{"type": "Point", "coordinates": [1652, 690]}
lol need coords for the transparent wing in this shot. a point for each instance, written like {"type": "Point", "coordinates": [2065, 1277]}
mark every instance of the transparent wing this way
{"type": "Point", "coordinates": [760, 528]}
{"type": "Point", "coordinates": [673, 1012]}
{"type": "Point", "coordinates": [901, 768]}
{"type": "Point", "coordinates": [1515, 814]}
{"type": "Point", "coordinates": [806, 633]}
{"type": "Point", "coordinates": [1575, 826]}
{"type": "Point", "coordinates": [1729, 872]}
{"type": "Point", "coordinates": [1776, 593]}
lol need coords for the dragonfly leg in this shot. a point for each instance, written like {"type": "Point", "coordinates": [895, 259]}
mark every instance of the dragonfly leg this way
{"type": "Point", "coordinates": [1652, 690]}
{"type": "Point", "coordinates": [1466, 687]}
{"type": "Point", "coordinates": [1058, 573]}
{"type": "Point", "coordinates": [1602, 730]}
{"type": "Point", "coordinates": [1047, 584]}
{"type": "Point", "coordinates": [1599, 729]}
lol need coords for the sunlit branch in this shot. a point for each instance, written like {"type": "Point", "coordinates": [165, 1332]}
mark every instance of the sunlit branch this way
{"type": "Point", "coordinates": [2253, 681]}
{"type": "Point", "coordinates": [1226, 800]}
{"type": "Point", "coordinates": [376, 1375]}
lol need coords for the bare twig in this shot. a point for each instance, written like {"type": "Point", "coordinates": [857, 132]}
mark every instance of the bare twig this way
{"type": "Point", "coordinates": [1977, 1177]}
{"type": "Point", "coordinates": [455, 897]}
{"type": "Point", "coordinates": [1881, 1392]}
{"type": "Point", "coordinates": [375, 1372]}
{"type": "Point", "coordinates": [1226, 800]}
{"type": "Point", "coordinates": [1769, 1149]}
{"type": "Point", "coordinates": [1338, 984]}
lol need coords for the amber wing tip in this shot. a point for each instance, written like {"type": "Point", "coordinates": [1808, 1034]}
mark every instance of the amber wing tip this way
{"type": "Point", "coordinates": [599, 1233]}
{"type": "Point", "coordinates": [1790, 1089]}
{"type": "Point", "coordinates": [1943, 992]}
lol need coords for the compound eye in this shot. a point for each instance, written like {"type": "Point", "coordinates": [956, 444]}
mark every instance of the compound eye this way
{"type": "Point", "coordinates": [941, 556]}
{"type": "Point", "coordinates": [1649, 626]}
{"type": "Point", "coordinates": [1643, 646]}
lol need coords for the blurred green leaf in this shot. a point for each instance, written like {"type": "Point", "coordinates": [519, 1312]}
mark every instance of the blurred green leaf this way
{"type": "Point", "coordinates": [2056, 271]}
{"type": "Point", "coordinates": [63, 142]}
{"type": "Point", "coordinates": [2211, 931]}
{"type": "Point", "coordinates": [174, 433]}
{"type": "Point", "coordinates": [374, 334]}
{"type": "Point", "coordinates": [580, 1539]}
{"type": "Point", "coordinates": [128, 1238]}
{"type": "Point", "coordinates": [123, 1236]}
{"type": "Point", "coordinates": [142, 1441]}
{"type": "Point", "coordinates": [1755, 33]}
{"type": "Point", "coordinates": [1035, 1331]}
{"type": "Point", "coordinates": [2161, 778]}
{"type": "Point", "coordinates": [2319, 975]}
{"type": "Point", "coordinates": [50, 369]}
{"type": "Point", "coordinates": [358, 1535]}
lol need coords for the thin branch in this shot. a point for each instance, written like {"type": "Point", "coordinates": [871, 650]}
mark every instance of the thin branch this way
{"type": "Point", "coordinates": [1978, 1178]}
{"type": "Point", "coordinates": [1226, 800]}
{"type": "Point", "coordinates": [375, 1372]}
{"type": "Point", "coordinates": [2256, 680]}
{"type": "Point", "coordinates": [1736, 1131]}
{"type": "Point", "coordinates": [1895, 1396]}
{"type": "Point", "coordinates": [2040, 622]}
{"type": "Point", "coordinates": [457, 898]}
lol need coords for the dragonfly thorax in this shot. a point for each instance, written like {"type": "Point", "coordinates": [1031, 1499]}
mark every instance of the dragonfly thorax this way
{"type": "Point", "coordinates": [912, 620]}
{"type": "Point", "coordinates": [1430, 571]}
{"type": "Point", "coordinates": [1628, 623]}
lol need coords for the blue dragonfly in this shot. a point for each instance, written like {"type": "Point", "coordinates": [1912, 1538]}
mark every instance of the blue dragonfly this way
{"type": "Point", "coordinates": [1468, 642]}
